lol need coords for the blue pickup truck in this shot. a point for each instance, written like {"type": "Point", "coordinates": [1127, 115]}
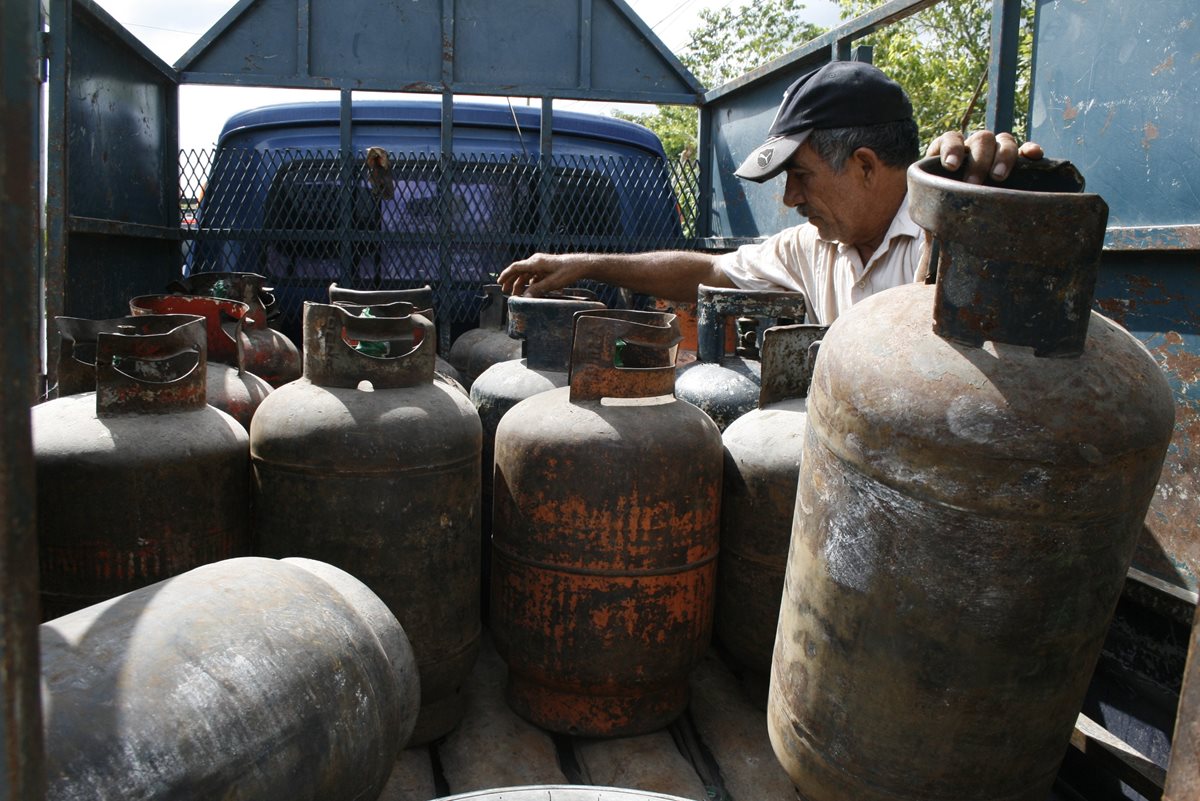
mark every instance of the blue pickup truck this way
{"type": "Point", "coordinates": [282, 200]}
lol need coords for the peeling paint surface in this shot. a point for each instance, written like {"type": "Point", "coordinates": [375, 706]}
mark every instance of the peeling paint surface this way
{"type": "Point", "coordinates": [1116, 92]}
{"type": "Point", "coordinates": [1149, 296]}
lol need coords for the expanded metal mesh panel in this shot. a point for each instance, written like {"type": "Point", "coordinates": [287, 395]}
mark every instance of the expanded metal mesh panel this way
{"type": "Point", "coordinates": [305, 219]}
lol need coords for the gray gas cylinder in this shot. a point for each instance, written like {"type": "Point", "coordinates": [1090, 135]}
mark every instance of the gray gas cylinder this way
{"type": "Point", "coordinates": [139, 479]}
{"type": "Point", "coordinates": [543, 329]}
{"type": "Point", "coordinates": [478, 349]}
{"type": "Point", "coordinates": [245, 680]}
{"type": "Point", "coordinates": [561, 792]}
{"type": "Point", "coordinates": [725, 386]}
{"type": "Point", "coordinates": [979, 459]}
{"type": "Point", "coordinates": [420, 297]}
{"type": "Point", "coordinates": [370, 463]}
{"type": "Point", "coordinates": [758, 498]}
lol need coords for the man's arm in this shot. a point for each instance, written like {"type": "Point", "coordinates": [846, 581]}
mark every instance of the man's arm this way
{"type": "Point", "coordinates": [666, 274]}
{"type": "Point", "coordinates": [986, 154]}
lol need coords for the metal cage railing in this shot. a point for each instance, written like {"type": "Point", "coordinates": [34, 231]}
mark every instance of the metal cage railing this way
{"type": "Point", "coordinates": [376, 220]}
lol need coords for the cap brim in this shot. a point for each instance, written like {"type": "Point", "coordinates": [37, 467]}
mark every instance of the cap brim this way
{"type": "Point", "coordinates": [771, 157]}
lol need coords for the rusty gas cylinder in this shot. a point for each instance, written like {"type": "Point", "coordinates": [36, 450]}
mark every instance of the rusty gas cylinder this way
{"type": "Point", "coordinates": [371, 464]}
{"type": "Point", "coordinates": [271, 355]}
{"type": "Point", "coordinates": [542, 327]}
{"type": "Point", "coordinates": [758, 498]}
{"type": "Point", "coordinates": [248, 679]}
{"type": "Point", "coordinates": [979, 459]}
{"type": "Point", "coordinates": [420, 297]}
{"type": "Point", "coordinates": [561, 792]}
{"type": "Point", "coordinates": [230, 386]}
{"type": "Point", "coordinates": [725, 386]}
{"type": "Point", "coordinates": [604, 547]}
{"type": "Point", "coordinates": [139, 479]}
{"type": "Point", "coordinates": [478, 349]}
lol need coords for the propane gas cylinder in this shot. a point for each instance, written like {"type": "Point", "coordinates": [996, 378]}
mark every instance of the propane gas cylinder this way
{"type": "Point", "coordinates": [607, 507]}
{"type": "Point", "coordinates": [249, 679]}
{"type": "Point", "coordinates": [725, 386]}
{"type": "Point", "coordinates": [542, 327]}
{"type": "Point", "coordinates": [559, 792]}
{"type": "Point", "coordinates": [478, 349]}
{"type": "Point", "coordinates": [271, 355]}
{"type": "Point", "coordinates": [420, 297]}
{"type": "Point", "coordinates": [979, 459]}
{"type": "Point", "coordinates": [372, 465]}
{"type": "Point", "coordinates": [230, 386]}
{"type": "Point", "coordinates": [758, 498]}
{"type": "Point", "coordinates": [139, 479]}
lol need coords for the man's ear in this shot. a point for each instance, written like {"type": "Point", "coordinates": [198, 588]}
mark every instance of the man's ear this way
{"type": "Point", "coordinates": [866, 164]}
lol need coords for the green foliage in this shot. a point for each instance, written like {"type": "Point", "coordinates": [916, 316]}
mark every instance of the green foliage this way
{"type": "Point", "coordinates": [733, 41]}
{"type": "Point", "coordinates": [676, 126]}
{"type": "Point", "coordinates": [730, 42]}
{"type": "Point", "coordinates": [940, 56]}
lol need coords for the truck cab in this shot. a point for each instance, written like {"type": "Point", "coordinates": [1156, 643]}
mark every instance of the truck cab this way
{"type": "Point", "coordinates": [274, 203]}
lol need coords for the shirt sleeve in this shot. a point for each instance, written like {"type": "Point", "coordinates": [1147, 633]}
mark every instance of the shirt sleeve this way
{"type": "Point", "coordinates": [778, 262]}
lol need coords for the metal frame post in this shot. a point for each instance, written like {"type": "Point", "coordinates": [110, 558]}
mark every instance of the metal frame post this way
{"type": "Point", "coordinates": [21, 775]}
{"type": "Point", "coordinates": [1002, 65]}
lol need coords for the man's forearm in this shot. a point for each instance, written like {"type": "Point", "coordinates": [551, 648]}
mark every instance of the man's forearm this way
{"type": "Point", "coordinates": [670, 275]}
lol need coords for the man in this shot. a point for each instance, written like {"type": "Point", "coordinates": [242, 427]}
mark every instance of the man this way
{"type": "Point", "coordinates": [844, 137]}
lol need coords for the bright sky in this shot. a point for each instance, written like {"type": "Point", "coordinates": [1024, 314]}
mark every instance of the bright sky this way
{"type": "Point", "coordinates": [170, 28]}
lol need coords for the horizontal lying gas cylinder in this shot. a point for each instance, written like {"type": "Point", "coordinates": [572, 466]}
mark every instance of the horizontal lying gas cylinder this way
{"type": "Point", "coordinates": [245, 680]}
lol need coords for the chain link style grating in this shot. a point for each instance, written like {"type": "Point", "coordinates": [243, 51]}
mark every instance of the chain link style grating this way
{"type": "Point", "coordinates": [305, 219]}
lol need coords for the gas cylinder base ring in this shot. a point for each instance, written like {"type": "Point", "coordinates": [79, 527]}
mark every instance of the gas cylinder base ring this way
{"type": "Point", "coordinates": [592, 715]}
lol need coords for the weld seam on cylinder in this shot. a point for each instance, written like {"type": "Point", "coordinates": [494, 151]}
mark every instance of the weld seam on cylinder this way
{"type": "Point", "coordinates": [450, 656]}
{"type": "Point", "coordinates": [340, 472]}
{"type": "Point", "coordinates": [616, 573]}
{"type": "Point", "coordinates": [910, 492]}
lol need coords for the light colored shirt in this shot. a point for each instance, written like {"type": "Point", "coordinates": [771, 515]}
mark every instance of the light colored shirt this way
{"type": "Point", "coordinates": [831, 275]}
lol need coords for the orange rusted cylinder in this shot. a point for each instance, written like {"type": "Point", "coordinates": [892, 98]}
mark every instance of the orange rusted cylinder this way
{"type": "Point", "coordinates": [604, 538]}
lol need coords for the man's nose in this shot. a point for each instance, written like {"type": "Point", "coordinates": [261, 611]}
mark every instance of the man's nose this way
{"type": "Point", "coordinates": [793, 194]}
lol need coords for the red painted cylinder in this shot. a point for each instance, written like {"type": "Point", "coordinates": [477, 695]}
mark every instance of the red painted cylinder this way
{"type": "Point", "coordinates": [275, 358]}
{"type": "Point", "coordinates": [230, 386]}
{"type": "Point", "coordinates": [607, 504]}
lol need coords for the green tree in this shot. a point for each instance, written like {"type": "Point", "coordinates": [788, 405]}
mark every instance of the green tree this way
{"type": "Point", "coordinates": [940, 56]}
{"type": "Point", "coordinates": [729, 42]}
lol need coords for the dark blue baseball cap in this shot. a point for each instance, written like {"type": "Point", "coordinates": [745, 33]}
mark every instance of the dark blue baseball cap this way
{"type": "Point", "coordinates": [842, 94]}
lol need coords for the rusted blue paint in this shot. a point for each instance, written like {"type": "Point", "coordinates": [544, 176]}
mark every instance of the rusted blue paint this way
{"type": "Point", "coordinates": [1152, 295]}
{"type": "Point", "coordinates": [1116, 85]}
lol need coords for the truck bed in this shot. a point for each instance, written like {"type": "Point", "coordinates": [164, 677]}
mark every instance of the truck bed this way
{"type": "Point", "coordinates": [717, 751]}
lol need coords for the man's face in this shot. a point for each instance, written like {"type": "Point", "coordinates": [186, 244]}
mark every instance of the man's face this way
{"type": "Point", "coordinates": [832, 201]}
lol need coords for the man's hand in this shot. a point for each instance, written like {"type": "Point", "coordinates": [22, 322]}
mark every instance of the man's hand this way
{"type": "Point", "coordinates": [985, 154]}
{"type": "Point", "coordinates": [540, 273]}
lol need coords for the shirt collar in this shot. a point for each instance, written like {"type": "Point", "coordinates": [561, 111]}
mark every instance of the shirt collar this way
{"type": "Point", "coordinates": [902, 225]}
